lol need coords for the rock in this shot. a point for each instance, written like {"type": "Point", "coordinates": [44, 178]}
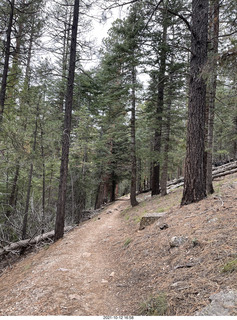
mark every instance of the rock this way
{"type": "Point", "coordinates": [86, 254]}
{"type": "Point", "coordinates": [74, 297]}
{"type": "Point", "coordinates": [104, 281]}
{"type": "Point", "coordinates": [63, 270]}
{"type": "Point", "coordinates": [212, 220]}
{"type": "Point", "coordinates": [222, 303]}
{"type": "Point", "coordinates": [109, 211]}
{"type": "Point", "coordinates": [112, 274]}
{"type": "Point", "coordinates": [150, 218]}
{"type": "Point", "coordinates": [163, 226]}
{"type": "Point", "coordinates": [177, 241]}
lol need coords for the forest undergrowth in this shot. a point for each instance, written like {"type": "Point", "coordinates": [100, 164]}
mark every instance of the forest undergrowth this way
{"type": "Point", "coordinates": [107, 266]}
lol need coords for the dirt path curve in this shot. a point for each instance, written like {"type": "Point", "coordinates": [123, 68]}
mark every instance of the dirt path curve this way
{"type": "Point", "coordinates": [75, 276]}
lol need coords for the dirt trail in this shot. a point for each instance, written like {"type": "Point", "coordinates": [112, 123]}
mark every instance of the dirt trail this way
{"type": "Point", "coordinates": [74, 276]}
{"type": "Point", "coordinates": [106, 266]}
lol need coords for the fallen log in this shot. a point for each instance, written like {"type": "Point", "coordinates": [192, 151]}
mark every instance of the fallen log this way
{"type": "Point", "coordinates": [29, 242]}
{"type": "Point", "coordinates": [224, 170]}
{"type": "Point", "coordinates": [224, 173]}
{"type": "Point", "coordinates": [225, 167]}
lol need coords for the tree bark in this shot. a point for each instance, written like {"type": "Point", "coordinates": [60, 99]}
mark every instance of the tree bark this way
{"type": "Point", "coordinates": [235, 141]}
{"type": "Point", "coordinates": [61, 204]}
{"type": "Point", "coordinates": [211, 90]}
{"type": "Point", "coordinates": [43, 178]}
{"type": "Point", "coordinates": [133, 200]}
{"type": "Point", "coordinates": [166, 133]}
{"type": "Point", "coordinates": [155, 188]}
{"type": "Point", "coordinates": [25, 219]}
{"type": "Point", "coordinates": [12, 198]}
{"type": "Point", "coordinates": [6, 61]}
{"type": "Point", "coordinates": [194, 176]}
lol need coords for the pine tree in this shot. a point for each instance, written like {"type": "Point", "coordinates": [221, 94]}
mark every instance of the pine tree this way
{"type": "Point", "coordinates": [194, 178]}
{"type": "Point", "coordinates": [59, 224]}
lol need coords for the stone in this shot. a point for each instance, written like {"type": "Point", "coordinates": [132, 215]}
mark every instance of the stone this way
{"type": "Point", "coordinates": [86, 254]}
{"type": "Point", "coordinates": [150, 218]}
{"type": "Point", "coordinates": [63, 270]}
{"type": "Point", "coordinates": [74, 297]}
{"type": "Point", "coordinates": [104, 281]}
{"type": "Point", "coordinates": [177, 241]}
{"type": "Point", "coordinates": [112, 274]}
{"type": "Point", "coordinates": [163, 226]}
{"type": "Point", "coordinates": [222, 303]}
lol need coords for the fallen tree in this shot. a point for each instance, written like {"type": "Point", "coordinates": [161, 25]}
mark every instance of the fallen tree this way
{"type": "Point", "coordinates": [217, 172]}
{"type": "Point", "coordinates": [16, 247]}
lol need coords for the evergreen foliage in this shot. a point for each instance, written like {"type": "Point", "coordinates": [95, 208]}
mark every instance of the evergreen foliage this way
{"type": "Point", "coordinates": [137, 92]}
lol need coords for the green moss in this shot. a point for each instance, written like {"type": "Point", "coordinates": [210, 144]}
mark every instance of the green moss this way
{"type": "Point", "coordinates": [154, 306]}
{"type": "Point", "coordinates": [230, 266]}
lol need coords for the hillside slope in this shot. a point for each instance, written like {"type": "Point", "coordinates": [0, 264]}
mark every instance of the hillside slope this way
{"type": "Point", "coordinates": [107, 266]}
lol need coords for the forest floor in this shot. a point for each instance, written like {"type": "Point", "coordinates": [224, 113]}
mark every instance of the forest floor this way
{"type": "Point", "coordinates": [107, 266]}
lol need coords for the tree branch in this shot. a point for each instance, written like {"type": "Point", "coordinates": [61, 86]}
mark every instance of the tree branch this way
{"type": "Point", "coordinates": [182, 18]}
{"type": "Point", "coordinates": [157, 6]}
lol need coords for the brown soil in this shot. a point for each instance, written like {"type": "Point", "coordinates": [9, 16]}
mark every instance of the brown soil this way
{"type": "Point", "coordinates": [106, 266]}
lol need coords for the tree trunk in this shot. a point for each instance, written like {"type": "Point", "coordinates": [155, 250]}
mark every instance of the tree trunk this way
{"type": "Point", "coordinates": [66, 37]}
{"type": "Point", "coordinates": [113, 187]}
{"type": "Point", "coordinates": [194, 177]}
{"type": "Point", "coordinates": [211, 89]}
{"type": "Point", "coordinates": [99, 196]}
{"type": "Point", "coordinates": [25, 219]}
{"type": "Point", "coordinates": [159, 109]}
{"type": "Point", "coordinates": [235, 140]}
{"type": "Point", "coordinates": [43, 178]}
{"type": "Point", "coordinates": [12, 198]}
{"type": "Point", "coordinates": [133, 200]}
{"type": "Point", "coordinates": [61, 204]}
{"type": "Point", "coordinates": [166, 133]}
{"type": "Point", "coordinates": [6, 60]}
{"type": "Point", "coordinates": [139, 176]}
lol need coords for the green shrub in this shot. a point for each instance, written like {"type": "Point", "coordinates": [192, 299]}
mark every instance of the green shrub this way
{"type": "Point", "coordinates": [154, 306]}
{"type": "Point", "coordinates": [230, 266]}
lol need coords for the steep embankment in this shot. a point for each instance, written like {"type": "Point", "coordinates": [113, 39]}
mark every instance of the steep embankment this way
{"type": "Point", "coordinates": [106, 266]}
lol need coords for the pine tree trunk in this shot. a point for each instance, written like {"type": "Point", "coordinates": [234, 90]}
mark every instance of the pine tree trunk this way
{"type": "Point", "coordinates": [66, 37]}
{"type": "Point", "coordinates": [6, 60]}
{"type": "Point", "coordinates": [235, 141]}
{"type": "Point", "coordinates": [155, 188]}
{"type": "Point", "coordinates": [133, 200]}
{"type": "Point", "coordinates": [213, 35]}
{"type": "Point", "coordinates": [12, 198]}
{"type": "Point", "coordinates": [139, 176]}
{"type": "Point", "coordinates": [166, 133]}
{"type": "Point", "coordinates": [43, 178]}
{"type": "Point", "coordinates": [25, 219]}
{"type": "Point", "coordinates": [61, 204]}
{"type": "Point", "coordinates": [194, 177]}
{"type": "Point", "coordinates": [113, 187]}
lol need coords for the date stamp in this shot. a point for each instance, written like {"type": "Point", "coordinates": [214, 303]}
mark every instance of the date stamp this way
{"type": "Point", "coordinates": [118, 317]}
